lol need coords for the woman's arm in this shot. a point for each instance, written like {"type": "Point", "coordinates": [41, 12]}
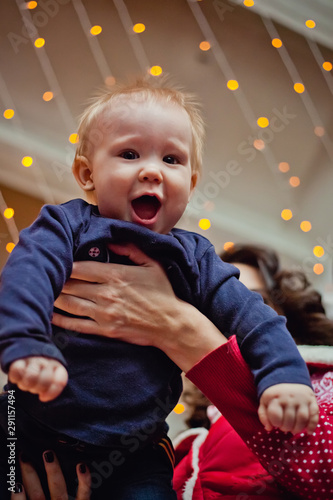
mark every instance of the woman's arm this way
{"type": "Point", "coordinates": [136, 304]}
{"type": "Point", "coordinates": [303, 464]}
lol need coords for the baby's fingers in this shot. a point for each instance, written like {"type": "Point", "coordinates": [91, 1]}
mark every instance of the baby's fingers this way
{"type": "Point", "coordinates": [263, 417]}
{"type": "Point", "coordinates": [314, 417]}
{"type": "Point", "coordinates": [56, 383]}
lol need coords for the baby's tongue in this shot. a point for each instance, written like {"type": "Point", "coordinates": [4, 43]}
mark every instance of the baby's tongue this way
{"type": "Point", "coordinates": [146, 207]}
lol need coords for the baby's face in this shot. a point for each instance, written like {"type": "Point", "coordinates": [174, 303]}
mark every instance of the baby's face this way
{"type": "Point", "coordinates": [141, 168]}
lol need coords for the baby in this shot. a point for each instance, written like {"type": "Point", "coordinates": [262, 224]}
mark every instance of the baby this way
{"type": "Point", "coordinates": [138, 159]}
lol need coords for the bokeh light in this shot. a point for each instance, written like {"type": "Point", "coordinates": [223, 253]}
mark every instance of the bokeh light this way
{"type": "Point", "coordinates": [204, 45]}
{"type": "Point", "coordinates": [8, 213]}
{"type": "Point", "coordinates": [179, 408]}
{"type": "Point", "coordinates": [263, 122]}
{"type": "Point", "coordinates": [232, 85]}
{"type": "Point", "coordinates": [31, 5]}
{"type": "Point", "coordinates": [286, 214]}
{"type": "Point", "coordinates": [227, 245]}
{"type": "Point", "coordinates": [299, 88]}
{"type": "Point", "coordinates": [39, 42]}
{"type": "Point", "coordinates": [294, 181]}
{"type": "Point", "coordinates": [96, 30]}
{"type": "Point", "coordinates": [306, 226]}
{"type": "Point", "coordinates": [284, 166]}
{"type": "Point", "coordinates": [277, 43]}
{"type": "Point", "coordinates": [73, 138]}
{"type": "Point", "coordinates": [27, 161]}
{"type": "Point", "coordinates": [139, 28]}
{"type": "Point", "coordinates": [110, 81]}
{"type": "Point", "coordinates": [318, 268]}
{"type": "Point", "coordinates": [8, 113]}
{"type": "Point", "coordinates": [248, 3]}
{"type": "Point", "coordinates": [204, 224]}
{"type": "Point", "coordinates": [319, 131]}
{"type": "Point", "coordinates": [156, 70]}
{"type": "Point", "coordinates": [10, 247]}
{"type": "Point", "coordinates": [310, 23]}
{"type": "Point", "coordinates": [318, 251]}
{"type": "Point", "coordinates": [259, 144]}
{"type": "Point", "coordinates": [327, 66]}
{"type": "Point", "coordinates": [47, 96]}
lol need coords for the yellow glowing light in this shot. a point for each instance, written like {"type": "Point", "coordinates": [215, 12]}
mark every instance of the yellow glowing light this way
{"type": "Point", "coordinates": [139, 28]}
{"type": "Point", "coordinates": [299, 88]}
{"type": "Point", "coordinates": [263, 122]}
{"type": "Point", "coordinates": [284, 167]}
{"type": "Point", "coordinates": [73, 138]}
{"type": "Point", "coordinates": [277, 43]}
{"type": "Point", "coordinates": [27, 161]}
{"type": "Point", "coordinates": [156, 70]}
{"type": "Point", "coordinates": [10, 247]}
{"type": "Point", "coordinates": [319, 131]}
{"type": "Point", "coordinates": [310, 23]}
{"type": "Point", "coordinates": [204, 224]}
{"type": "Point", "coordinates": [286, 214]}
{"type": "Point", "coordinates": [318, 268]}
{"type": "Point", "coordinates": [232, 84]}
{"type": "Point", "coordinates": [248, 3]}
{"type": "Point", "coordinates": [179, 408]}
{"type": "Point", "coordinates": [306, 226]}
{"type": "Point", "coordinates": [259, 144]}
{"type": "Point", "coordinates": [96, 30]}
{"type": "Point", "coordinates": [47, 96]}
{"type": "Point", "coordinates": [110, 80]}
{"type": "Point", "coordinates": [318, 251]}
{"type": "Point", "coordinates": [227, 245]}
{"type": "Point", "coordinates": [204, 45]}
{"type": "Point", "coordinates": [294, 181]}
{"type": "Point", "coordinates": [39, 42]}
{"type": "Point", "coordinates": [8, 113]}
{"type": "Point", "coordinates": [31, 5]}
{"type": "Point", "coordinates": [327, 66]}
{"type": "Point", "coordinates": [8, 213]}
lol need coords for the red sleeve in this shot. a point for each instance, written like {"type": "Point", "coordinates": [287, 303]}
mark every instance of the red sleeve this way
{"type": "Point", "coordinates": [302, 464]}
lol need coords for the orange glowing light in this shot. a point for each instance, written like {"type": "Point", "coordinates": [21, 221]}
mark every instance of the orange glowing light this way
{"type": "Point", "coordinates": [294, 181]}
{"type": "Point", "coordinates": [318, 269]}
{"type": "Point", "coordinates": [10, 247]}
{"type": "Point", "coordinates": [204, 45]}
{"type": "Point", "coordinates": [318, 251]}
{"type": "Point", "coordinates": [73, 138]}
{"type": "Point", "coordinates": [204, 224]}
{"type": "Point", "coordinates": [8, 113]}
{"type": "Point", "coordinates": [227, 245]}
{"type": "Point", "coordinates": [248, 3]}
{"type": "Point", "coordinates": [284, 167]}
{"type": "Point", "coordinates": [263, 122]}
{"type": "Point", "coordinates": [277, 43]}
{"type": "Point", "coordinates": [39, 42]}
{"type": "Point", "coordinates": [156, 70]}
{"type": "Point", "coordinates": [31, 5]}
{"type": "Point", "coordinates": [96, 30]}
{"type": "Point", "coordinates": [48, 96]}
{"type": "Point", "coordinates": [327, 66]}
{"type": "Point", "coordinates": [286, 214]}
{"type": "Point", "coordinates": [259, 144]}
{"type": "Point", "coordinates": [299, 88]}
{"type": "Point", "coordinates": [319, 131]}
{"type": "Point", "coordinates": [310, 23]}
{"type": "Point", "coordinates": [179, 408]}
{"type": "Point", "coordinates": [139, 28]}
{"type": "Point", "coordinates": [232, 85]}
{"type": "Point", "coordinates": [8, 213]}
{"type": "Point", "coordinates": [27, 161]}
{"type": "Point", "coordinates": [306, 226]}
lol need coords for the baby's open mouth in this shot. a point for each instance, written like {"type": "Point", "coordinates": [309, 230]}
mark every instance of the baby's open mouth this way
{"type": "Point", "coordinates": [146, 207]}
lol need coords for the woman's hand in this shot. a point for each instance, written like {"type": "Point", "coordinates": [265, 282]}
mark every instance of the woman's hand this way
{"type": "Point", "coordinates": [56, 482]}
{"type": "Point", "coordinates": [136, 304]}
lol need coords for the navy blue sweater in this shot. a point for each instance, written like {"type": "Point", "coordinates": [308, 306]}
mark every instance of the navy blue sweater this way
{"type": "Point", "coordinates": [117, 392]}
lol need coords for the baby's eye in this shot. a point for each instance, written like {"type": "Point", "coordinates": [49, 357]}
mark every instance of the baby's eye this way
{"type": "Point", "coordinates": [129, 155]}
{"type": "Point", "coordinates": [170, 159]}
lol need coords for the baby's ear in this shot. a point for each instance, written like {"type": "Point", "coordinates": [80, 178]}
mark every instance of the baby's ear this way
{"type": "Point", "coordinates": [194, 180]}
{"type": "Point", "coordinates": [82, 171]}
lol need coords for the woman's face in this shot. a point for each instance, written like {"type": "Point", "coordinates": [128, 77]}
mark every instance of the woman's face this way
{"type": "Point", "coordinates": [252, 279]}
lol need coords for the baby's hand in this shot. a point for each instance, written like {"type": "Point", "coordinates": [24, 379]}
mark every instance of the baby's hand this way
{"type": "Point", "coordinates": [290, 407]}
{"type": "Point", "coordinates": [43, 376]}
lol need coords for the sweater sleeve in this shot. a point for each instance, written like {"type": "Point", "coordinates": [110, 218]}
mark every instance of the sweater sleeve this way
{"type": "Point", "coordinates": [31, 280]}
{"type": "Point", "coordinates": [303, 464]}
{"type": "Point", "coordinates": [262, 335]}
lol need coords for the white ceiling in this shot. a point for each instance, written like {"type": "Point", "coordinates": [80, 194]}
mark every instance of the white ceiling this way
{"type": "Point", "coordinates": [242, 191]}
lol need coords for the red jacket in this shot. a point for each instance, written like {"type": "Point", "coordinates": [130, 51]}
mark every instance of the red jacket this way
{"type": "Point", "coordinates": [218, 464]}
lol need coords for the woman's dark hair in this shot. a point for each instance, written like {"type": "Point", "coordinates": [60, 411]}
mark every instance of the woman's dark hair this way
{"type": "Point", "coordinates": [290, 293]}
